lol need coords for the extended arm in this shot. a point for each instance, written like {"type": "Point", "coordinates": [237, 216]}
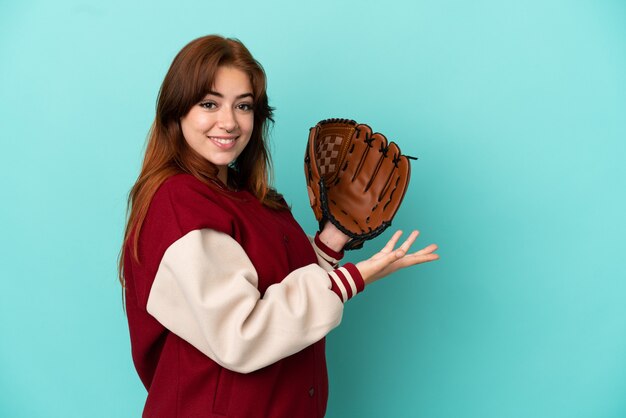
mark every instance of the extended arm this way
{"type": "Point", "coordinates": [206, 292]}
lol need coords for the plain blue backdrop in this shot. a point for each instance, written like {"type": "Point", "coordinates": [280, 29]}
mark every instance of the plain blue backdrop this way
{"type": "Point", "coordinates": [516, 110]}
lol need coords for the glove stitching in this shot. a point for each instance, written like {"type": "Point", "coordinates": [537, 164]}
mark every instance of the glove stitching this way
{"type": "Point", "coordinates": [348, 132]}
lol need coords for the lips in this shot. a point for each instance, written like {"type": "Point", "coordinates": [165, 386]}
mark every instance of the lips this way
{"type": "Point", "coordinates": [224, 142]}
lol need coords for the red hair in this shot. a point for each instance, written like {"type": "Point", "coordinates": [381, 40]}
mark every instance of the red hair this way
{"type": "Point", "coordinates": [188, 80]}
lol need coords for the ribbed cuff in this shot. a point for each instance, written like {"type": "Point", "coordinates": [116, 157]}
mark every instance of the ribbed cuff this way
{"type": "Point", "coordinates": [326, 252]}
{"type": "Point", "coordinates": [346, 281]}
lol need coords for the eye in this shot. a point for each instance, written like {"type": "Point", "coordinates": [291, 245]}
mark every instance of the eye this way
{"type": "Point", "coordinates": [208, 105]}
{"type": "Point", "coordinates": [246, 107]}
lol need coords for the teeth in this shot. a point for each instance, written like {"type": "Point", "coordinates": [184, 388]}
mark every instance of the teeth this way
{"type": "Point", "coordinates": [222, 140]}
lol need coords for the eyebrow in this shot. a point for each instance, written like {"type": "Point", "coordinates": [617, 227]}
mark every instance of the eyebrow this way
{"type": "Point", "coordinates": [241, 96]}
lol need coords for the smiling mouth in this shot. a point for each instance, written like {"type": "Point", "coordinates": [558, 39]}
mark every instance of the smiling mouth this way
{"type": "Point", "coordinates": [224, 143]}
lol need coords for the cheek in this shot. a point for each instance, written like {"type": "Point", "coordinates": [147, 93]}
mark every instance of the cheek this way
{"type": "Point", "coordinates": [248, 123]}
{"type": "Point", "coordinates": [188, 134]}
{"type": "Point", "coordinates": [193, 125]}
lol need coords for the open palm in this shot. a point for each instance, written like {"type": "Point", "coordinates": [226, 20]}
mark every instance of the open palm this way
{"type": "Point", "coordinates": [390, 259]}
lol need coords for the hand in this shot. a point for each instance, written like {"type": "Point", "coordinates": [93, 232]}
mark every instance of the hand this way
{"type": "Point", "coordinates": [388, 260]}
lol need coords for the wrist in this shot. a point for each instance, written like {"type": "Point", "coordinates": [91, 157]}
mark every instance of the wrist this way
{"type": "Point", "coordinates": [333, 238]}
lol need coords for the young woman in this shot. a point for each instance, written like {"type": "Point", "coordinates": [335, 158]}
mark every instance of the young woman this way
{"type": "Point", "coordinates": [228, 301]}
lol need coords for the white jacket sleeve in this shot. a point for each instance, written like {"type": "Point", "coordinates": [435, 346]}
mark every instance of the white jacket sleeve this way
{"type": "Point", "coordinates": [205, 291]}
{"type": "Point", "coordinates": [326, 257]}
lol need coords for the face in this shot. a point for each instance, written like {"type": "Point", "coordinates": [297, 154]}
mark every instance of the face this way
{"type": "Point", "coordinates": [219, 127]}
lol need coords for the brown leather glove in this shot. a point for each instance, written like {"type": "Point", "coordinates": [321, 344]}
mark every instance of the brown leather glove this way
{"type": "Point", "coordinates": [355, 179]}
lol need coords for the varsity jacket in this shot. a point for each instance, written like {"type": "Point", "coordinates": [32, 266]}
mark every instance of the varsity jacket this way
{"type": "Point", "coordinates": [229, 305]}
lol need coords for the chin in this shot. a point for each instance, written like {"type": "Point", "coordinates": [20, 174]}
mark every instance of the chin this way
{"type": "Point", "coordinates": [221, 163]}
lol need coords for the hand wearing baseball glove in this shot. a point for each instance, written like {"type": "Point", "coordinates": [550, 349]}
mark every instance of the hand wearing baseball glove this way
{"type": "Point", "coordinates": [356, 179]}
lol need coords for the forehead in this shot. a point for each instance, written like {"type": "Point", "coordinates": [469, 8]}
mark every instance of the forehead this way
{"type": "Point", "coordinates": [231, 80]}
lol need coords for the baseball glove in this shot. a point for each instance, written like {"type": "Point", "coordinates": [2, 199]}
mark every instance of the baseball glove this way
{"type": "Point", "coordinates": [355, 178]}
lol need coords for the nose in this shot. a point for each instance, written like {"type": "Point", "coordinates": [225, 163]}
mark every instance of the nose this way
{"type": "Point", "coordinates": [226, 119]}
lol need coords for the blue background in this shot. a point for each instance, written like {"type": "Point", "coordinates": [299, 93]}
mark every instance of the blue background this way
{"type": "Point", "coordinates": [516, 110]}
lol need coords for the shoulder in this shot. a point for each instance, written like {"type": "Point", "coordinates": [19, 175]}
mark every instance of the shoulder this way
{"type": "Point", "coordinates": [183, 186]}
{"type": "Point", "coordinates": [189, 204]}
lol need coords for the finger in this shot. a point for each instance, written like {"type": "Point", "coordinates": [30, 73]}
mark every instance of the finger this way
{"type": "Point", "coordinates": [383, 260]}
{"type": "Point", "coordinates": [406, 245]}
{"type": "Point", "coordinates": [412, 260]}
{"type": "Point", "coordinates": [428, 249]}
{"type": "Point", "coordinates": [391, 244]}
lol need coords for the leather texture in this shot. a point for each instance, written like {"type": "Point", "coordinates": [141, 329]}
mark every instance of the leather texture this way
{"type": "Point", "coordinates": [356, 179]}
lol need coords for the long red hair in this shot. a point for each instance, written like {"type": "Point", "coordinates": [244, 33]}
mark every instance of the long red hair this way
{"type": "Point", "coordinates": [188, 80]}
